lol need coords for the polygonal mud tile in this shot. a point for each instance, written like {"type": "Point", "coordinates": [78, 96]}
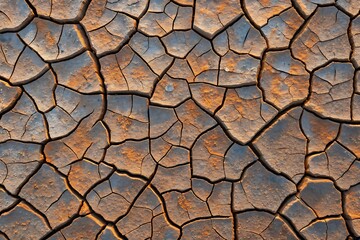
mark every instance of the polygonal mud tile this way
{"type": "Point", "coordinates": [336, 162]}
{"type": "Point", "coordinates": [321, 195]}
{"type": "Point", "coordinates": [87, 228]}
{"type": "Point", "coordinates": [102, 21]}
{"type": "Point", "coordinates": [22, 222]}
{"type": "Point", "coordinates": [262, 10]}
{"type": "Point", "coordinates": [262, 225]}
{"type": "Point", "coordinates": [80, 73]}
{"type": "Point", "coordinates": [262, 189]}
{"type": "Point", "coordinates": [18, 161]}
{"type": "Point", "coordinates": [244, 113]}
{"type": "Point", "coordinates": [318, 131]}
{"type": "Point", "coordinates": [212, 16]}
{"type": "Point", "coordinates": [147, 218]}
{"type": "Point", "coordinates": [281, 28]}
{"type": "Point", "coordinates": [240, 37]}
{"type": "Point", "coordinates": [283, 139]}
{"type": "Point", "coordinates": [334, 227]}
{"type": "Point", "coordinates": [323, 38]}
{"type": "Point", "coordinates": [64, 11]}
{"type": "Point", "coordinates": [113, 197]}
{"type": "Point", "coordinates": [24, 122]}
{"type": "Point", "coordinates": [351, 208]}
{"type": "Point", "coordinates": [47, 191]}
{"type": "Point", "coordinates": [284, 80]}
{"type": "Point", "coordinates": [332, 91]}
{"type": "Point", "coordinates": [84, 174]}
{"type": "Point", "coordinates": [125, 71]}
{"type": "Point", "coordinates": [212, 228]}
{"type": "Point", "coordinates": [129, 120]}
{"type": "Point", "coordinates": [89, 140]}
{"type": "Point", "coordinates": [52, 41]}
{"type": "Point", "coordinates": [132, 156]}
{"type": "Point", "coordinates": [9, 96]}
{"type": "Point", "coordinates": [298, 212]}
{"type": "Point", "coordinates": [14, 14]}
{"type": "Point", "coordinates": [170, 92]}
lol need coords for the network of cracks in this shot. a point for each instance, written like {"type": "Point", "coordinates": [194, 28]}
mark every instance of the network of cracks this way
{"type": "Point", "coordinates": [176, 119]}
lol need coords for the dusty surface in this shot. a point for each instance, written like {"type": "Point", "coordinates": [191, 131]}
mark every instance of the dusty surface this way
{"type": "Point", "coordinates": [179, 119]}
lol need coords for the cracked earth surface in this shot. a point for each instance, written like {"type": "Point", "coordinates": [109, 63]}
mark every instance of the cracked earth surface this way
{"type": "Point", "coordinates": [179, 119]}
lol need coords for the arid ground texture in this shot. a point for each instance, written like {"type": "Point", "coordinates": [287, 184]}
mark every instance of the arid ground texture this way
{"type": "Point", "coordinates": [179, 119]}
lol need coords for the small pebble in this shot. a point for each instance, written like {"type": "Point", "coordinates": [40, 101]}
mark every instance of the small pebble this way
{"type": "Point", "coordinates": [169, 88]}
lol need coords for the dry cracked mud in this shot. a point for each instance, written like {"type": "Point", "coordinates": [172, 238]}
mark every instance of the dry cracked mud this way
{"type": "Point", "coordinates": [179, 119]}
